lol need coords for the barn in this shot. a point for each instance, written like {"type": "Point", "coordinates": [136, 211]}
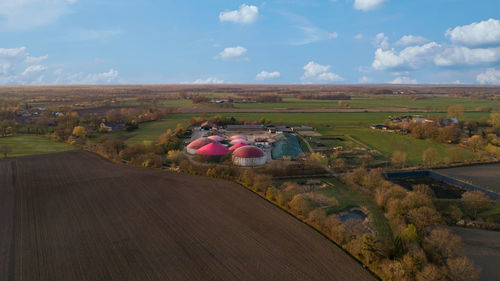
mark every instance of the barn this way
{"type": "Point", "coordinates": [249, 156]}
{"type": "Point", "coordinates": [197, 144]}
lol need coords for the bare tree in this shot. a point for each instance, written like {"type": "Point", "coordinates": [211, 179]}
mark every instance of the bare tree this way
{"type": "Point", "coordinates": [475, 200]}
{"type": "Point", "coordinates": [462, 269]}
{"type": "Point", "coordinates": [5, 149]}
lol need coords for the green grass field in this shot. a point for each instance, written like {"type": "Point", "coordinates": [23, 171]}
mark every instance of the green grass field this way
{"type": "Point", "coordinates": [23, 145]}
{"type": "Point", "coordinates": [388, 143]}
{"type": "Point", "coordinates": [350, 198]}
{"type": "Point", "coordinates": [152, 130]}
{"type": "Point", "coordinates": [378, 102]}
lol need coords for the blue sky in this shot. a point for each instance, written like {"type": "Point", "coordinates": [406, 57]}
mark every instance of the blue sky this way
{"type": "Point", "coordinates": [282, 41]}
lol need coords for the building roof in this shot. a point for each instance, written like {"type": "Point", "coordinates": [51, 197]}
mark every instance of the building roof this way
{"type": "Point", "coordinates": [213, 149]}
{"type": "Point", "coordinates": [199, 143]}
{"type": "Point", "coordinates": [216, 138]}
{"type": "Point", "coordinates": [248, 151]}
{"type": "Point", "coordinates": [238, 145]}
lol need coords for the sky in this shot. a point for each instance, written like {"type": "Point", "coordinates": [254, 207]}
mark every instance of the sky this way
{"type": "Point", "coordinates": [276, 42]}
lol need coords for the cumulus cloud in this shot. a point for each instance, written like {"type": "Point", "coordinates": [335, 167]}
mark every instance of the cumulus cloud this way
{"type": "Point", "coordinates": [333, 35]}
{"type": "Point", "coordinates": [368, 5]}
{"type": "Point", "coordinates": [264, 75]}
{"type": "Point", "coordinates": [403, 80]}
{"type": "Point", "coordinates": [382, 41]}
{"type": "Point", "coordinates": [17, 66]}
{"type": "Point", "coordinates": [315, 72]}
{"type": "Point", "coordinates": [410, 57]}
{"type": "Point", "coordinates": [365, 80]}
{"type": "Point", "coordinates": [358, 36]}
{"type": "Point", "coordinates": [476, 34]}
{"type": "Point", "coordinates": [246, 14]}
{"type": "Point", "coordinates": [459, 55]}
{"type": "Point", "coordinates": [411, 40]}
{"type": "Point", "coordinates": [490, 76]}
{"type": "Point", "coordinates": [28, 14]}
{"type": "Point", "coordinates": [209, 80]}
{"type": "Point", "coordinates": [82, 78]}
{"type": "Point", "coordinates": [232, 53]}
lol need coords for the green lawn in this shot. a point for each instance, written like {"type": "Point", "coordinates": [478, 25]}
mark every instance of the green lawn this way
{"type": "Point", "coordinates": [23, 145]}
{"type": "Point", "coordinates": [350, 198]}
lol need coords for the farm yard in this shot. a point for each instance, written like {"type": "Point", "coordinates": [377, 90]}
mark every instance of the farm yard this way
{"type": "Point", "coordinates": [77, 216]}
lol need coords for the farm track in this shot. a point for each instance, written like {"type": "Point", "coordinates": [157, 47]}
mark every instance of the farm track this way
{"type": "Point", "coordinates": [77, 216]}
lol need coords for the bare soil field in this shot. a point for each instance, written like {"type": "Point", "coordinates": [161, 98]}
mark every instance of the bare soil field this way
{"type": "Point", "coordinates": [487, 176]}
{"type": "Point", "coordinates": [483, 247]}
{"type": "Point", "coordinates": [77, 216]}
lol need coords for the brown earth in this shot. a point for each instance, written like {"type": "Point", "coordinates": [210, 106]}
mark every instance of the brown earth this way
{"type": "Point", "coordinates": [77, 216]}
{"type": "Point", "coordinates": [483, 247]}
{"type": "Point", "coordinates": [487, 176]}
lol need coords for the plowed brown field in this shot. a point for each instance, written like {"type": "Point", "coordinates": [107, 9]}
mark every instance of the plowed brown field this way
{"type": "Point", "coordinates": [76, 216]}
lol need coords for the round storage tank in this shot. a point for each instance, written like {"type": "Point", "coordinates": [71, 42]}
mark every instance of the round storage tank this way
{"type": "Point", "coordinates": [249, 156]}
{"type": "Point", "coordinates": [197, 144]}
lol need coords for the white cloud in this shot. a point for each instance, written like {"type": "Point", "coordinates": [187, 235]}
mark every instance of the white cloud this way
{"type": "Point", "coordinates": [490, 76]}
{"type": "Point", "coordinates": [365, 80]}
{"type": "Point", "coordinates": [32, 60]}
{"type": "Point", "coordinates": [333, 35]}
{"type": "Point", "coordinates": [246, 14]}
{"type": "Point", "coordinates": [358, 36]}
{"type": "Point", "coordinates": [411, 40]}
{"type": "Point", "coordinates": [209, 80]}
{"type": "Point", "coordinates": [382, 41]}
{"type": "Point", "coordinates": [28, 14]}
{"type": "Point", "coordinates": [17, 66]}
{"type": "Point", "coordinates": [264, 75]}
{"type": "Point", "coordinates": [33, 70]}
{"type": "Point", "coordinates": [403, 80]}
{"type": "Point", "coordinates": [232, 53]}
{"type": "Point", "coordinates": [367, 5]}
{"type": "Point", "coordinates": [410, 57]}
{"type": "Point", "coordinates": [315, 72]}
{"type": "Point", "coordinates": [456, 55]}
{"type": "Point", "coordinates": [476, 34]}
{"type": "Point", "coordinates": [83, 78]}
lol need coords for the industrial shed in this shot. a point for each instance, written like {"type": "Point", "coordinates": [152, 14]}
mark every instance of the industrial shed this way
{"type": "Point", "coordinates": [249, 156]}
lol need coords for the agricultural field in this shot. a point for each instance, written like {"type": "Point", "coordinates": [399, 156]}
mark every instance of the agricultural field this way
{"type": "Point", "coordinates": [378, 102]}
{"type": "Point", "coordinates": [77, 216]}
{"type": "Point", "coordinates": [23, 145]}
{"type": "Point", "coordinates": [483, 247]}
{"type": "Point", "coordinates": [487, 176]}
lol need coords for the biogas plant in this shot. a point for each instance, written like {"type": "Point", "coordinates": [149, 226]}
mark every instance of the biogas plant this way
{"type": "Point", "coordinates": [247, 145]}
